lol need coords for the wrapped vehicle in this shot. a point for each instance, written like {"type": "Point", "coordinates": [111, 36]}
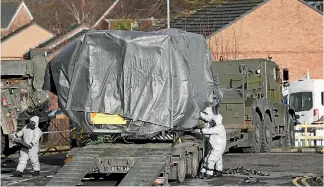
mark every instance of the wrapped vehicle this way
{"type": "Point", "coordinates": [134, 83]}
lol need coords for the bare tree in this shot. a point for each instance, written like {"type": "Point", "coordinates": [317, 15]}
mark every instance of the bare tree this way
{"type": "Point", "coordinates": [81, 10]}
{"type": "Point", "coordinates": [225, 46]}
{"type": "Point", "coordinates": [235, 47]}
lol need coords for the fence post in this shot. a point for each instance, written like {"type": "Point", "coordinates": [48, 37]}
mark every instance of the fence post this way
{"type": "Point", "coordinates": [306, 136]}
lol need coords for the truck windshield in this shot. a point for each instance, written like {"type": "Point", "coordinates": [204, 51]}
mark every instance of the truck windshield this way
{"type": "Point", "coordinates": [302, 101]}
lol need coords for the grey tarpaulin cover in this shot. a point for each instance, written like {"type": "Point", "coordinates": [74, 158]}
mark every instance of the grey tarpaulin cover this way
{"type": "Point", "coordinates": [159, 80]}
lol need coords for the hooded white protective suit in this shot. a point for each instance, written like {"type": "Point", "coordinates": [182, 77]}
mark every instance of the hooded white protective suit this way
{"type": "Point", "coordinates": [217, 138]}
{"type": "Point", "coordinates": [30, 136]}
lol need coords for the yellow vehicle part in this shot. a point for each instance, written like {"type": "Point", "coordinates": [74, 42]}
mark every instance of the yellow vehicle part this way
{"type": "Point", "coordinates": [61, 116]}
{"type": "Point", "coordinates": [67, 159]}
{"type": "Point", "coordinates": [106, 119]}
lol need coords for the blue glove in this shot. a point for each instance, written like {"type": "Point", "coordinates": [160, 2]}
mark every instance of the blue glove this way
{"type": "Point", "coordinates": [52, 113]}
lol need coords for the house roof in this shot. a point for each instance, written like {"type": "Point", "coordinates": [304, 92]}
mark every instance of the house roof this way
{"type": "Point", "coordinates": [309, 4]}
{"type": "Point", "coordinates": [9, 11]}
{"type": "Point", "coordinates": [3, 39]}
{"type": "Point", "coordinates": [66, 42]}
{"type": "Point", "coordinates": [217, 16]}
{"type": "Point", "coordinates": [60, 35]}
{"type": "Point", "coordinates": [214, 17]}
{"type": "Point", "coordinates": [111, 7]}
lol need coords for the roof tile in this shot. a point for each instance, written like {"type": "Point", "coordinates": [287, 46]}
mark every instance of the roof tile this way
{"type": "Point", "coordinates": [8, 10]}
{"type": "Point", "coordinates": [213, 17]}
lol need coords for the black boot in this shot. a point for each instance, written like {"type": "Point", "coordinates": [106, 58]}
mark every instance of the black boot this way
{"type": "Point", "coordinates": [201, 175]}
{"type": "Point", "coordinates": [36, 173]}
{"type": "Point", "coordinates": [17, 174]}
{"type": "Point", "coordinates": [209, 176]}
{"type": "Point", "coordinates": [218, 173]}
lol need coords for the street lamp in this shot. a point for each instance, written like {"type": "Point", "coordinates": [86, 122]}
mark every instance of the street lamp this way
{"type": "Point", "coordinates": [168, 12]}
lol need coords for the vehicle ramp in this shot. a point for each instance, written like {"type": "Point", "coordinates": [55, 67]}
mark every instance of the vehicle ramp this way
{"type": "Point", "coordinates": [73, 172]}
{"type": "Point", "coordinates": [148, 162]}
{"type": "Point", "coordinates": [145, 172]}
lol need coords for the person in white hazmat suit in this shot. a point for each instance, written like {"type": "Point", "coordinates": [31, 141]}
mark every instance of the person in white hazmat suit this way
{"type": "Point", "coordinates": [215, 131]}
{"type": "Point", "coordinates": [31, 134]}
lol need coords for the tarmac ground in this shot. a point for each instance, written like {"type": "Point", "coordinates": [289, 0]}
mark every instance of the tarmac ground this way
{"type": "Point", "coordinates": [284, 169]}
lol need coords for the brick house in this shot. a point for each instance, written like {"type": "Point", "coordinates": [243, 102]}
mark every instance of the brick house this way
{"type": "Point", "coordinates": [288, 32]}
{"type": "Point", "coordinates": [13, 16]}
{"type": "Point", "coordinates": [16, 44]}
{"type": "Point", "coordinates": [19, 32]}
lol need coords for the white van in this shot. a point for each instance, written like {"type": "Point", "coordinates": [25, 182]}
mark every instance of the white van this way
{"type": "Point", "coordinates": [307, 98]}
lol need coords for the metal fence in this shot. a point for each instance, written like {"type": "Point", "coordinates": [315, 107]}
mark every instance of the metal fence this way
{"type": "Point", "coordinates": [309, 135]}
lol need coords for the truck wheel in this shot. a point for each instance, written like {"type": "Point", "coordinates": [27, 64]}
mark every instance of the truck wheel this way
{"type": "Point", "coordinates": [289, 139]}
{"type": "Point", "coordinates": [181, 170]}
{"type": "Point", "coordinates": [4, 143]}
{"type": "Point", "coordinates": [194, 164]}
{"type": "Point", "coordinates": [255, 136]}
{"type": "Point", "coordinates": [200, 158]}
{"type": "Point", "coordinates": [266, 135]}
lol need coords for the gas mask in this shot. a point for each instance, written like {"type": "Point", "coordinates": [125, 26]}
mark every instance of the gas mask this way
{"type": "Point", "coordinates": [31, 125]}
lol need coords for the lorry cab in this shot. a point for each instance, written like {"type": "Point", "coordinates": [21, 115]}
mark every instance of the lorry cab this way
{"type": "Point", "coordinates": [306, 96]}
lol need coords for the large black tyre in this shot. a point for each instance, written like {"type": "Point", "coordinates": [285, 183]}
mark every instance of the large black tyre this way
{"type": "Point", "coordinates": [181, 170]}
{"type": "Point", "coordinates": [266, 135]}
{"type": "Point", "coordinates": [255, 136]}
{"type": "Point", "coordinates": [289, 139]}
{"type": "Point", "coordinates": [194, 164]}
{"type": "Point", "coordinates": [4, 143]}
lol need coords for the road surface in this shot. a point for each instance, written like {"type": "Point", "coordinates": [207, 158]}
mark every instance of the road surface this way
{"type": "Point", "coordinates": [281, 167]}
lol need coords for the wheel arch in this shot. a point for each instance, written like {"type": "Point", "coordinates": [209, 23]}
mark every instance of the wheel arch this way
{"type": "Point", "coordinates": [267, 112]}
{"type": "Point", "coordinates": [258, 111]}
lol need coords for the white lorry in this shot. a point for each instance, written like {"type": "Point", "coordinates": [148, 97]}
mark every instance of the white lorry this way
{"type": "Point", "coordinates": [306, 96]}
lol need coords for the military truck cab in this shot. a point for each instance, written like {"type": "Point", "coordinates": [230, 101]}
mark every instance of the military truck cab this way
{"type": "Point", "coordinates": [253, 103]}
{"type": "Point", "coordinates": [21, 93]}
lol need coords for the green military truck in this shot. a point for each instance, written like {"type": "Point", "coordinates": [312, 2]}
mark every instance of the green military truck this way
{"type": "Point", "coordinates": [252, 102]}
{"type": "Point", "coordinates": [21, 94]}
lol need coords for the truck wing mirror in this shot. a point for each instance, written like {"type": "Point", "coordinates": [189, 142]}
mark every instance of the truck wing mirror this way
{"type": "Point", "coordinates": [285, 74]}
{"type": "Point", "coordinates": [297, 116]}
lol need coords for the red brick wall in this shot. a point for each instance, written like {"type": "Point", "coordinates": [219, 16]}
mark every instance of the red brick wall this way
{"type": "Point", "coordinates": [288, 31]}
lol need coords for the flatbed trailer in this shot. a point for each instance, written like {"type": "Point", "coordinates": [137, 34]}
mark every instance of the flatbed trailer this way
{"type": "Point", "coordinates": [142, 163]}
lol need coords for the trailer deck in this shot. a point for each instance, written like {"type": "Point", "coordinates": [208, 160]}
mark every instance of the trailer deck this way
{"type": "Point", "coordinates": [142, 163]}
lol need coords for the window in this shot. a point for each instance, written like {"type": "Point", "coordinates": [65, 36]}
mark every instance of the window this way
{"type": "Point", "coordinates": [302, 101]}
{"type": "Point", "coordinates": [322, 98]}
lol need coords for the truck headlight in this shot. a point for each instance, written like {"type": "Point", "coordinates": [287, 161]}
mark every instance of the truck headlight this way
{"type": "Point", "coordinates": [258, 71]}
